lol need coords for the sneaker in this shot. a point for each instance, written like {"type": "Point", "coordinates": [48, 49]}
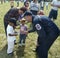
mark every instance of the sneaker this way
{"type": "Point", "coordinates": [15, 42]}
{"type": "Point", "coordinates": [11, 54]}
{"type": "Point", "coordinates": [20, 45]}
{"type": "Point", "coordinates": [23, 44]}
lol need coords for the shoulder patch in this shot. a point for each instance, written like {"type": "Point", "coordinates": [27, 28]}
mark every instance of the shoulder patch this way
{"type": "Point", "coordinates": [38, 26]}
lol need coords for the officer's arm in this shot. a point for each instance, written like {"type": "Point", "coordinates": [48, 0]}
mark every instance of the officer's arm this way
{"type": "Point", "coordinates": [12, 34]}
{"type": "Point", "coordinates": [32, 30]}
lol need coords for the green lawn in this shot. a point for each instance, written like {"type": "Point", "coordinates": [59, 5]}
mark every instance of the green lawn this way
{"type": "Point", "coordinates": [25, 52]}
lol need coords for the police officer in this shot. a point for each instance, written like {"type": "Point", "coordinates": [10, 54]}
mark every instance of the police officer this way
{"type": "Point", "coordinates": [47, 32]}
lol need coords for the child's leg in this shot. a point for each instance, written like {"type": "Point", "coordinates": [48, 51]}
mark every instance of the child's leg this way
{"type": "Point", "coordinates": [10, 47]}
{"type": "Point", "coordinates": [24, 38]}
{"type": "Point", "coordinates": [21, 37]}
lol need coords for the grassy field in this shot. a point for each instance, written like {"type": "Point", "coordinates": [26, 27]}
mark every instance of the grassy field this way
{"type": "Point", "coordinates": [25, 52]}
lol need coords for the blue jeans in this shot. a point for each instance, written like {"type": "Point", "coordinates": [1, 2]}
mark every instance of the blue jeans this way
{"type": "Point", "coordinates": [22, 38]}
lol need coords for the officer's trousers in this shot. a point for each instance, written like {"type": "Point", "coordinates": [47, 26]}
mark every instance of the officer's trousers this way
{"type": "Point", "coordinates": [5, 26]}
{"type": "Point", "coordinates": [44, 44]}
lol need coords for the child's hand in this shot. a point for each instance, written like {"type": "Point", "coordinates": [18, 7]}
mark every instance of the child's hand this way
{"type": "Point", "coordinates": [26, 32]}
{"type": "Point", "coordinates": [16, 34]}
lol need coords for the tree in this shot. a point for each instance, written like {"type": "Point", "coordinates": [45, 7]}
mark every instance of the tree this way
{"type": "Point", "coordinates": [1, 1]}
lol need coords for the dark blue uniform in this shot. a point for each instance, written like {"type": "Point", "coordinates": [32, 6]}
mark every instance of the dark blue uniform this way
{"type": "Point", "coordinates": [47, 33]}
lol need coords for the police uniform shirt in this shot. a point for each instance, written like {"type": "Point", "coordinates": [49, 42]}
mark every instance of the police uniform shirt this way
{"type": "Point", "coordinates": [43, 25]}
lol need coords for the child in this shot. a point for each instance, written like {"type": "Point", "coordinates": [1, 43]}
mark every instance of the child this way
{"type": "Point", "coordinates": [11, 35]}
{"type": "Point", "coordinates": [23, 36]}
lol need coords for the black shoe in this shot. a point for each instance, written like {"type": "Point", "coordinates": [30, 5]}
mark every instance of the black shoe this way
{"type": "Point", "coordinates": [11, 54]}
{"type": "Point", "coordinates": [15, 43]}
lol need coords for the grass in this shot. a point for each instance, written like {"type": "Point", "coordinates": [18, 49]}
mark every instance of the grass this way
{"type": "Point", "coordinates": [25, 52]}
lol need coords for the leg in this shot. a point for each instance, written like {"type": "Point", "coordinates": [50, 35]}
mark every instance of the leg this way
{"type": "Point", "coordinates": [21, 38]}
{"type": "Point", "coordinates": [10, 47]}
{"type": "Point", "coordinates": [55, 15]}
{"type": "Point", "coordinates": [24, 38]}
{"type": "Point", "coordinates": [50, 39]}
{"type": "Point", "coordinates": [42, 51]}
{"type": "Point", "coordinates": [51, 14]}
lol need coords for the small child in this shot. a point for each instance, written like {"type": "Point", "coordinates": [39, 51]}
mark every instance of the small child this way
{"type": "Point", "coordinates": [23, 36]}
{"type": "Point", "coordinates": [11, 35]}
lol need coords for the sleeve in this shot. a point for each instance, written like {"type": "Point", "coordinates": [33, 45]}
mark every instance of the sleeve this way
{"type": "Point", "coordinates": [32, 29]}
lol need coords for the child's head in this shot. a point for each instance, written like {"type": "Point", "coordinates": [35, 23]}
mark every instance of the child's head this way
{"type": "Point", "coordinates": [12, 22]}
{"type": "Point", "coordinates": [22, 21]}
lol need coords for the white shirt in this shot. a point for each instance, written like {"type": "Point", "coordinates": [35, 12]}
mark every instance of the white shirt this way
{"type": "Point", "coordinates": [24, 0]}
{"type": "Point", "coordinates": [54, 2]}
{"type": "Point", "coordinates": [46, 3]}
{"type": "Point", "coordinates": [34, 6]}
{"type": "Point", "coordinates": [10, 30]}
{"type": "Point", "coordinates": [42, 3]}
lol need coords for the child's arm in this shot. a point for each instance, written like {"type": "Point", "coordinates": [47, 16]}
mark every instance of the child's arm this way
{"type": "Point", "coordinates": [13, 34]}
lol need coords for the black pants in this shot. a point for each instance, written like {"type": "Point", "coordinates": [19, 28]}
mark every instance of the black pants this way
{"type": "Point", "coordinates": [44, 44]}
{"type": "Point", "coordinates": [53, 14]}
{"type": "Point", "coordinates": [5, 27]}
{"type": "Point", "coordinates": [34, 12]}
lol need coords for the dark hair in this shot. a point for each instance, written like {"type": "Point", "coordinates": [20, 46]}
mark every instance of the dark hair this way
{"type": "Point", "coordinates": [23, 9]}
{"type": "Point", "coordinates": [13, 20]}
{"type": "Point", "coordinates": [27, 13]}
{"type": "Point", "coordinates": [26, 2]}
